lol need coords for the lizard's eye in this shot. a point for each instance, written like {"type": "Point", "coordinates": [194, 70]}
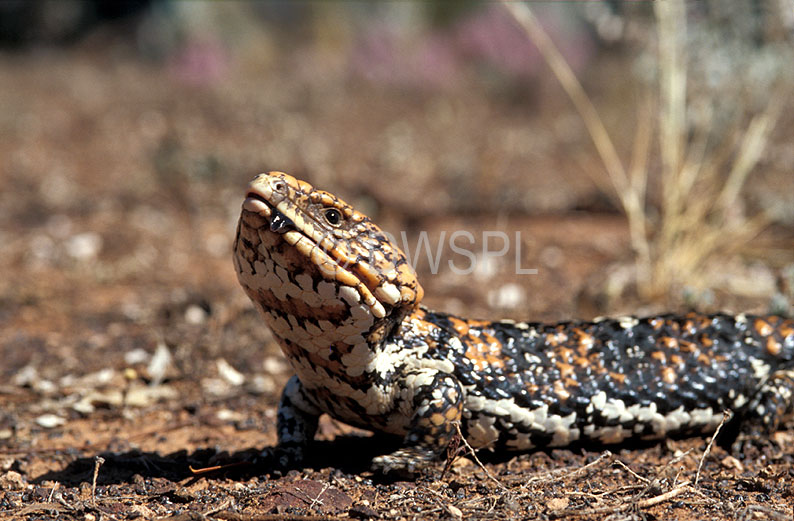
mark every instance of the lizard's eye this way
{"type": "Point", "coordinates": [333, 216]}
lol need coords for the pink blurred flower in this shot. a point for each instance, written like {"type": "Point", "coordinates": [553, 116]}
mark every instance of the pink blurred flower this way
{"type": "Point", "coordinates": [200, 62]}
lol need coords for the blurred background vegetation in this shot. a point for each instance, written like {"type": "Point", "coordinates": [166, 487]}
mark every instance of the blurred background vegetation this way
{"type": "Point", "coordinates": [130, 127]}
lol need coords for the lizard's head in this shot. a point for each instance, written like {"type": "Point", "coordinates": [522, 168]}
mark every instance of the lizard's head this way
{"type": "Point", "coordinates": [313, 263]}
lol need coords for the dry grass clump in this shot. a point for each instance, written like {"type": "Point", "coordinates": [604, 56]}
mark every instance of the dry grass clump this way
{"type": "Point", "coordinates": [701, 168]}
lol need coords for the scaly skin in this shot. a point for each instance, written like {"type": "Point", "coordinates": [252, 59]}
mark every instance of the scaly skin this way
{"type": "Point", "coordinates": [344, 305]}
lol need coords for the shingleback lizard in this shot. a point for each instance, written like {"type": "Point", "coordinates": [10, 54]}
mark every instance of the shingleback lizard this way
{"type": "Point", "coordinates": [345, 306]}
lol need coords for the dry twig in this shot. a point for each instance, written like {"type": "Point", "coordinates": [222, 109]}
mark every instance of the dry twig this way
{"type": "Point", "coordinates": [474, 455]}
{"type": "Point", "coordinates": [52, 492]}
{"type": "Point", "coordinates": [645, 503]}
{"type": "Point", "coordinates": [726, 415]}
{"type": "Point", "coordinates": [98, 461]}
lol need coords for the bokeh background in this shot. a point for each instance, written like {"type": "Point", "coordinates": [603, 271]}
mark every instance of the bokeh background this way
{"type": "Point", "coordinates": [128, 131]}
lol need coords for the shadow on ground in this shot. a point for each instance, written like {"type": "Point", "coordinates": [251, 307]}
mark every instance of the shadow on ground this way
{"type": "Point", "coordinates": [349, 454]}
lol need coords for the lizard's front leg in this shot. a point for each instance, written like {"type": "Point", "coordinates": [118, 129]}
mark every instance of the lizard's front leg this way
{"type": "Point", "coordinates": [296, 425]}
{"type": "Point", "coordinates": [434, 400]}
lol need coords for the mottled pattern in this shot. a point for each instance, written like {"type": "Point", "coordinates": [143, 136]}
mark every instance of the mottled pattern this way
{"type": "Point", "coordinates": [344, 304]}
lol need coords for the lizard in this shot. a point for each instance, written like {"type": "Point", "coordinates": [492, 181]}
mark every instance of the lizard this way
{"type": "Point", "coordinates": [345, 306]}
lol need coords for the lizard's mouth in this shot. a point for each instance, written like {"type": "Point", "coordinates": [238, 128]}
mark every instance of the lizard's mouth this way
{"type": "Point", "coordinates": [256, 203]}
{"type": "Point", "coordinates": [279, 223]}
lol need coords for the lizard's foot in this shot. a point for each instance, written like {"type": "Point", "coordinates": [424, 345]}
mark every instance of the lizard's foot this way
{"type": "Point", "coordinates": [438, 406]}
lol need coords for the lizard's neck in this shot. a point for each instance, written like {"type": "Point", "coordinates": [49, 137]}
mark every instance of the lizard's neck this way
{"type": "Point", "coordinates": [346, 347]}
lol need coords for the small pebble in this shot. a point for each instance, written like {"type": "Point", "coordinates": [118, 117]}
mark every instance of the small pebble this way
{"type": "Point", "coordinates": [143, 396]}
{"type": "Point", "coordinates": [84, 246]}
{"type": "Point", "coordinates": [195, 315]}
{"type": "Point", "coordinates": [229, 373]}
{"type": "Point", "coordinates": [274, 365]}
{"type": "Point", "coordinates": [159, 363]}
{"type": "Point", "coordinates": [261, 384]}
{"type": "Point", "coordinates": [12, 480]}
{"type": "Point", "coordinates": [228, 415]}
{"type": "Point", "coordinates": [136, 356]}
{"type": "Point", "coordinates": [50, 421]}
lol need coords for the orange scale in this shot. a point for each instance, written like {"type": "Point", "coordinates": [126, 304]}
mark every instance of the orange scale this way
{"type": "Point", "coordinates": [762, 327]}
{"type": "Point", "coordinates": [773, 347]}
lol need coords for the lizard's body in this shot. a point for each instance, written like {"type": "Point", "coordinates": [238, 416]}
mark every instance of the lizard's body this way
{"type": "Point", "coordinates": [344, 304]}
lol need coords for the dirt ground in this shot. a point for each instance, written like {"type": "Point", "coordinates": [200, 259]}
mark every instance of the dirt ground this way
{"type": "Point", "coordinates": [133, 363]}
